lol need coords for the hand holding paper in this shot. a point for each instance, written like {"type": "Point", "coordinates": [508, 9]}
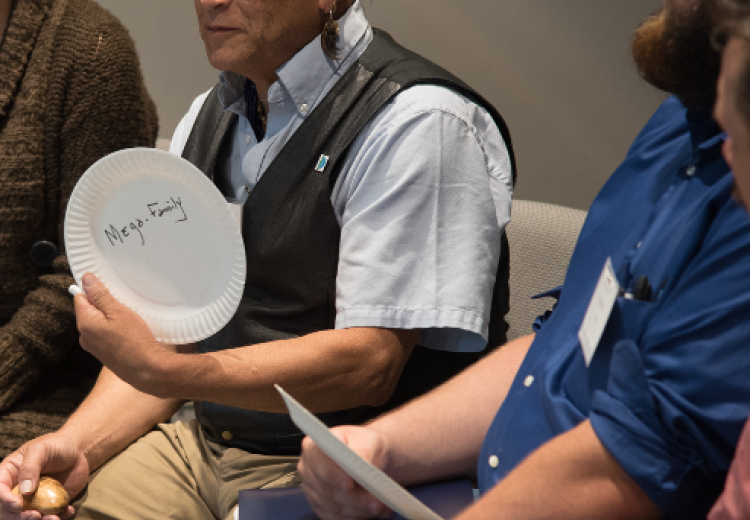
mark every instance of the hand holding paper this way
{"type": "Point", "coordinates": [329, 489]}
{"type": "Point", "coordinates": [365, 474]}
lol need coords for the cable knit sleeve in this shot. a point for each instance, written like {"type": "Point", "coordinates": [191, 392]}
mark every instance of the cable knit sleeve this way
{"type": "Point", "coordinates": [96, 103]}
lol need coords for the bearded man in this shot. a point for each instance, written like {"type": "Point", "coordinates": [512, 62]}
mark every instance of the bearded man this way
{"type": "Point", "coordinates": [629, 400]}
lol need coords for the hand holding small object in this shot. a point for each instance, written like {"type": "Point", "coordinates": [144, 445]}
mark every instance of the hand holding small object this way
{"type": "Point", "coordinates": [50, 497]}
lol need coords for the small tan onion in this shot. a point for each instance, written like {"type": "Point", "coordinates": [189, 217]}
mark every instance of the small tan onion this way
{"type": "Point", "coordinates": [50, 497]}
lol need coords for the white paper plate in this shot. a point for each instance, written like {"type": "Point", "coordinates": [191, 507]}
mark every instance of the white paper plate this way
{"type": "Point", "coordinates": [160, 236]}
{"type": "Point", "coordinates": [365, 474]}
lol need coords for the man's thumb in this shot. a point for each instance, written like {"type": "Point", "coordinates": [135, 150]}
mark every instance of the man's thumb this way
{"type": "Point", "coordinates": [98, 295]}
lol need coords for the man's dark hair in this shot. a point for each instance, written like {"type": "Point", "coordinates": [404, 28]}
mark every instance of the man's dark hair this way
{"type": "Point", "coordinates": [731, 18]}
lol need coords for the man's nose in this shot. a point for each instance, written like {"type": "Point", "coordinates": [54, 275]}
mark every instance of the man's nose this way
{"type": "Point", "coordinates": [213, 4]}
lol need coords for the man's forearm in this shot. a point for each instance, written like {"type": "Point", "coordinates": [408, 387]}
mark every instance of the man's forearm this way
{"type": "Point", "coordinates": [327, 371]}
{"type": "Point", "coordinates": [114, 415]}
{"type": "Point", "coordinates": [571, 477]}
{"type": "Point", "coordinates": [440, 434]}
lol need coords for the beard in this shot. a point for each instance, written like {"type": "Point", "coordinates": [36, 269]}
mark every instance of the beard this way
{"type": "Point", "coordinates": [672, 50]}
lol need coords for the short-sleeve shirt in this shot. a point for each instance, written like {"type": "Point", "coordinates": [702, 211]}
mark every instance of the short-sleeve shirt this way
{"type": "Point", "coordinates": [423, 196]}
{"type": "Point", "coordinates": [667, 391]}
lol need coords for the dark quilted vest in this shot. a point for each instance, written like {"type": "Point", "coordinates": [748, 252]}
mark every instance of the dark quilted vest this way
{"type": "Point", "coordinates": [291, 239]}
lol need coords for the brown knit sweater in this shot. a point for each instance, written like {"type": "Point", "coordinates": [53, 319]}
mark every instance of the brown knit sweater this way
{"type": "Point", "coordinates": [71, 92]}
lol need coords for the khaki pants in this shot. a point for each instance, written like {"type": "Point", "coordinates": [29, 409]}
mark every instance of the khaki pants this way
{"type": "Point", "coordinates": [174, 472]}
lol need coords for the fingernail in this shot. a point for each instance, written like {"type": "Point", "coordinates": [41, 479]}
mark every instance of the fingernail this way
{"type": "Point", "coordinates": [26, 487]}
{"type": "Point", "coordinates": [374, 508]}
{"type": "Point", "coordinates": [89, 280]}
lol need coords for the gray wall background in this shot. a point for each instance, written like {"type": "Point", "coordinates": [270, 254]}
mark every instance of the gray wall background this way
{"type": "Point", "coordinates": [559, 71]}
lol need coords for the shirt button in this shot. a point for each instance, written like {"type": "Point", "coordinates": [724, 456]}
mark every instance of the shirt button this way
{"type": "Point", "coordinates": [43, 253]}
{"type": "Point", "coordinates": [227, 436]}
{"type": "Point", "coordinates": [691, 170]}
{"type": "Point", "coordinates": [247, 138]}
{"type": "Point", "coordinates": [494, 461]}
{"type": "Point", "coordinates": [528, 381]}
{"type": "Point", "coordinates": [303, 108]}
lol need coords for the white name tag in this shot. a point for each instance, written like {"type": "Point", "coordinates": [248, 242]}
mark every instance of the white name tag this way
{"type": "Point", "coordinates": [598, 311]}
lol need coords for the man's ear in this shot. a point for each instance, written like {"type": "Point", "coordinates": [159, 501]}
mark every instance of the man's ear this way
{"type": "Point", "coordinates": [342, 6]}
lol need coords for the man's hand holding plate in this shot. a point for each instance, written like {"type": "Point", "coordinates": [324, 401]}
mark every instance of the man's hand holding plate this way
{"type": "Point", "coordinates": [119, 338]}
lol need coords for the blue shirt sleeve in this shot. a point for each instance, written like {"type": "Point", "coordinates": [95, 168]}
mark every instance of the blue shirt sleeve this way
{"type": "Point", "coordinates": [677, 399]}
{"type": "Point", "coordinates": [542, 318]}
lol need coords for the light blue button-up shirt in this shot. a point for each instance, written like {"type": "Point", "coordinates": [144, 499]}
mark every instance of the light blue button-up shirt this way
{"type": "Point", "coordinates": [423, 196]}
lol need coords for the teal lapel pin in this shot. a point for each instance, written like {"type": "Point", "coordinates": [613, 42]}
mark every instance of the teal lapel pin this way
{"type": "Point", "coordinates": [321, 163]}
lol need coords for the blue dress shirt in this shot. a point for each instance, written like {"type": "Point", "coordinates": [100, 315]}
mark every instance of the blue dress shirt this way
{"type": "Point", "coordinates": [668, 389]}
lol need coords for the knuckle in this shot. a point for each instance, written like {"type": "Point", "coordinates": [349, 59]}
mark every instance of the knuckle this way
{"type": "Point", "coordinates": [332, 511]}
{"type": "Point", "coordinates": [99, 298]}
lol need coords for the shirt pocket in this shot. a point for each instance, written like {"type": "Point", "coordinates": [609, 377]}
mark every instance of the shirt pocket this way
{"type": "Point", "coordinates": [628, 321]}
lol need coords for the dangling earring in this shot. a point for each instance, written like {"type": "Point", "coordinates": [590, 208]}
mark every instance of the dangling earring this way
{"type": "Point", "coordinates": [329, 38]}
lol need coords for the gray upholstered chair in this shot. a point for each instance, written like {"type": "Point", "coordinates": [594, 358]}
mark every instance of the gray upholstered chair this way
{"type": "Point", "coordinates": [541, 239]}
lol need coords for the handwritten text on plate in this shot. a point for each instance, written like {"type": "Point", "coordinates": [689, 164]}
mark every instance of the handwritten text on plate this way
{"type": "Point", "coordinates": [156, 210]}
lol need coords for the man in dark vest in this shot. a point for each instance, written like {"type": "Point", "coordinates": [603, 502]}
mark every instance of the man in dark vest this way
{"type": "Point", "coordinates": [375, 189]}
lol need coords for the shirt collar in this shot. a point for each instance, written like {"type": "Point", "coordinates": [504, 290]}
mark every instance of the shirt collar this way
{"type": "Point", "coordinates": [705, 134]}
{"type": "Point", "coordinates": [306, 74]}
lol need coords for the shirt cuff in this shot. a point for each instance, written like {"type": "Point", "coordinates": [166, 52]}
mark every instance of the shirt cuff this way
{"type": "Point", "coordinates": [453, 330]}
{"type": "Point", "coordinates": [543, 318]}
{"type": "Point", "coordinates": [627, 423]}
